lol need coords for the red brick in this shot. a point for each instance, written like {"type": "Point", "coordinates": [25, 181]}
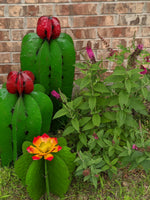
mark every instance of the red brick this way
{"type": "Point", "coordinates": [12, 1]}
{"type": "Point", "coordinates": [15, 67]}
{"type": "Point", "coordinates": [5, 58]}
{"type": "Point", "coordinates": [15, 11]}
{"type": "Point", "coordinates": [5, 69]}
{"type": "Point", "coordinates": [17, 34]}
{"type": "Point", "coordinates": [4, 35]}
{"type": "Point", "coordinates": [64, 22]}
{"type": "Point", "coordinates": [122, 8]}
{"type": "Point", "coordinates": [31, 1]}
{"type": "Point", "coordinates": [147, 7]}
{"type": "Point", "coordinates": [116, 42]}
{"type": "Point", "coordinates": [76, 9]}
{"type": "Point", "coordinates": [81, 44]}
{"type": "Point", "coordinates": [31, 22]}
{"type": "Point", "coordinates": [10, 46]}
{"type": "Point", "coordinates": [53, 1]}
{"type": "Point", "coordinates": [119, 32]}
{"type": "Point", "coordinates": [91, 1]}
{"type": "Point", "coordinates": [84, 33]}
{"type": "Point", "coordinates": [93, 21]}
{"type": "Point", "coordinates": [84, 9]}
{"type": "Point", "coordinates": [6, 23]}
{"type": "Point", "coordinates": [145, 31]}
{"type": "Point", "coordinates": [3, 79]}
{"type": "Point", "coordinates": [1, 11]}
{"type": "Point", "coordinates": [46, 10]}
{"type": "Point", "coordinates": [31, 10]}
{"type": "Point", "coordinates": [16, 57]}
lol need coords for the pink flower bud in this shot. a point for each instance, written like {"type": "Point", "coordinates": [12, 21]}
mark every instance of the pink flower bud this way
{"type": "Point", "coordinates": [55, 94]}
{"type": "Point", "coordinates": [134, 147]}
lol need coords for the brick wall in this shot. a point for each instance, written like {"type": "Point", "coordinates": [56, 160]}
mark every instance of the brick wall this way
{"type": "Point", "coordinates": [115, 20]}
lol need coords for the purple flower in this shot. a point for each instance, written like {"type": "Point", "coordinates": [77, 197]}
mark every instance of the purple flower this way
{"type": "Point", "coordinates": [147, 59]}
{"type": "Point", "coordinates": [95, 136]}
{"type": "Point", "coordinates": [134, 147]}
{"type": "Point", "coordinates": [145, 70]}
{"type": "Point", "coordinates": [140, 46]}
{"type": "Point", "coordinates": [55, 94]}
{"type": "Point", "coordinates": [112, 52]}
{"type": "Point", "coordinates": [90, 52]}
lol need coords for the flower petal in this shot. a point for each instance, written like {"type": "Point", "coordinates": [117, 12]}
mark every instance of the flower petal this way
{"type": "Point", "coordinates": [45, 138]}
{"type": "Point", "coordinates": [33, 150]}
{"type": "Point", "coordinates": [37, 141]}
{"type": "Point", "coordinates": [53, 141]}
{"type": "Point", "coordinates": [48, 157]}
{"type": "Point", "coordinates": [36, 157]}
{"type": "Point", "coordinates": [56, 149]}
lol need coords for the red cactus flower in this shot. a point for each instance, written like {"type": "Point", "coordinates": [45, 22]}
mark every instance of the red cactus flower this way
{"type": "Point", "coordinates": [44, 146]}
{"type": "Point", "coordinates": [20, 82]}
{"type": "Point", "coordinates": [44, 27]}
{"type": "Point", "coordinates": [56, 29]}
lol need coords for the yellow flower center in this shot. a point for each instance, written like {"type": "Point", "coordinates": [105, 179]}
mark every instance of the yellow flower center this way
{"type": "Point", "coordinates": [45, 147]}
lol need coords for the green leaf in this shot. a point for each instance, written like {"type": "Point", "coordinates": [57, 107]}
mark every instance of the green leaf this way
{"type": "Point", "coordinates": [75, 124]}
{"type": "Point", "coordinates": [68, 130]}
{"type": "Point", "coordinates": [123, 98]}
{"type": "Point", "coordinates": [62, 141]}
{"type": "Point", "coordinates": [84, 120]}
{"type": "Point", "coordinates": [88, 126]}
{"type": "Point", "coordinates": [60, 113]}
{"type": "Point", "coordinates": [130, 121]}
{"type": "Point", "coordinates": [92, 102]}
{"type": "Point", "coordinates": [100, 87]}
{"type": "Point", "coordinates": [68, 157]}
{"type": "Point", "coordinates": [114, 161]}
{"type": "Point", "coordinates": [128, 85]}
{"type": "Point", "coordinates": [58, 175]}
{"type": "Point", "coordinates": [96, 119]}
{"type": "Point", "coordinates": [110, 115]}
{"type": "Point", "coordinates": [120, 117]}
{"type": "Point", "coordinates": [35, 179]}
{"type": "Point", "coordinates": [23, 163]}
{"type": "Point", "coordinates": [85, 82]}
{"type": "Point", "coordinates": [137, 105]}
{"type": "Point", "coordinates": [77, 101]}
{"type": "Point", "coordinates": [83, 138]}
{"type": "Point", "coordinates": [145, 92]}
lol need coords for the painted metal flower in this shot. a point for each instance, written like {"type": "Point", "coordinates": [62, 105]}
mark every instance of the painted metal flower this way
{"type": "Point", "coordinates": [55, 94]}
{"type": "Point", "coordinates": [44, 146]}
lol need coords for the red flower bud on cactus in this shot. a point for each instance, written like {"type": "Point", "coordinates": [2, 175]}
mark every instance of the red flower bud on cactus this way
{"type": "Point", "coordinates": [11, 82]}
{"type": "Point", "coordinates": [30, 74]}
{"type": "Point", "coordinates": [20, 82]}
{"type": "Point", "coordinates": [56, 29]}
{"type": "Point", "coordinates": [44, 27]}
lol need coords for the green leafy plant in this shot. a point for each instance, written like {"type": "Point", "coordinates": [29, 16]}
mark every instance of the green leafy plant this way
{"type": "Point", "coordinates": [52, 173]}
{"type": "Point", "coordinates": [106, 117]}
{"type": "Point", "coordinates": [22, 117]}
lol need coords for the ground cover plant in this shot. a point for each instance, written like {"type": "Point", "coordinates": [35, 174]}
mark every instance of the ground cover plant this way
{"type": "Point", "coordinates": [106, 124]}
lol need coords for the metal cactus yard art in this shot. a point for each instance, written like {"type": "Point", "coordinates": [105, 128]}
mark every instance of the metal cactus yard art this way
{"type": "Point", "coordinates": [50, 55]}
{"type": "Point", "coordinates": [24, 114]}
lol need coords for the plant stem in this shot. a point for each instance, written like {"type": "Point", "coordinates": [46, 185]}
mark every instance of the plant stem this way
{"type": "Point", "coordinates": [47, 182]}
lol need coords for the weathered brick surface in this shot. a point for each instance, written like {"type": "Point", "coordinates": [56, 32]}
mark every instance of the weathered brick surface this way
{"type": "Point", "coordinates": [115, 20]}
{"type": "Point", "coordinates": [4, 35]}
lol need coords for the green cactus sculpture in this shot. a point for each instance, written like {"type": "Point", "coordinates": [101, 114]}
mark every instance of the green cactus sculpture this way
{"type": "Point", "coordinates": [50, 55]}
{"type": "Point", "coordinates": [23, 116]}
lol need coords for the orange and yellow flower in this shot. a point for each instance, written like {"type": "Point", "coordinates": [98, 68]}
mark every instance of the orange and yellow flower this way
{"type": "Point", "coordinates": [44, 146]}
